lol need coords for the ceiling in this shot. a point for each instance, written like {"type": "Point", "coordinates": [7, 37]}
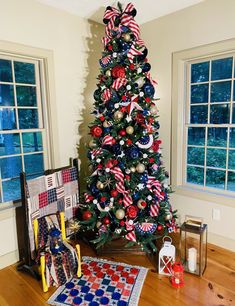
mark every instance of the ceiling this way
{"type": "Point", "coordinates": [146, 9]}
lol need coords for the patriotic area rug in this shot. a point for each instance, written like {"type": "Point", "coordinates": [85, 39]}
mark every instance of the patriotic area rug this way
{"type": "Point", "coordinates": [103, 282]}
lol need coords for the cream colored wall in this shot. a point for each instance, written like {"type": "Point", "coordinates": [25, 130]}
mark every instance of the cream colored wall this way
{"type": "Point", "coordinates": [208, 22]}
{"type": "Point", "coordinates": [76, 47]}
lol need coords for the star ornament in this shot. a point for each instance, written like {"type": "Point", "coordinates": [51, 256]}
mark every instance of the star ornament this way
{"type": "Point", "coordinates": [140, 186]}
{"type": "Point", "coordinates": [131, 105]}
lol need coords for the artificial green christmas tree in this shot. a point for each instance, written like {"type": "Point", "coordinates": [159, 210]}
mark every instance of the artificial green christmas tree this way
{"type": "Point", "coordinates": [127, 192]}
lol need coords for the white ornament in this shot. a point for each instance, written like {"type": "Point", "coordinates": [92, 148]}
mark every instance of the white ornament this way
{"type": "Point", "coordinates": [166, 257]}
{"type": "Point", "coordinates": [131, 222]}
{"type": "Point", "coordinates": [165, 185]}
{"type": "Point", "coordinates": [139, 70]}
{"type": "Point", "coordinates": [107, 170]}
{"type": "Point", "coordinates": [141, 94]}
{"type": "Point", "coordinates": [128, 118]}
{"type": "Point", "coordinates": [116, 105]}
{"type": "Point", "coordinates": [118, 230]}
{"type": "Point", "coordinates": [111, 199]}
{"type": "Point", "coordinates": [145, 155]}
{"type": "Point", "coordinates": [140, 186]}
{"type": "Point", "coordinates": [106, 209]}
{"type": "Point", "coordinates": [114, 54]}
{"type": "Point", "coordinates": [128, 87]}
{"type": "Point", "coordinates": [95, 201]}
{"type": "Point", "coordinates": [98, 160]}
{"type": "Point", "coordinates": [149, 197]}
{"type": "Point", "coordinates": [128, 171]}
{"type": "Point", "coordinates": [121, 142]}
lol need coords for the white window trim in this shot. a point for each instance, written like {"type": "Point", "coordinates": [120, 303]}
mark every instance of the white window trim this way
{"type": "Point", "coordinates": [46, 66]}
{"type": "Point", "coordinates": [179, 60]}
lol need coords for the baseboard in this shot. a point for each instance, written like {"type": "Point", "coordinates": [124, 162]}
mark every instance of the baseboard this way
{"type": "Point", "coordinates": [222, 241]}
{"type": "Point", "coordinates": [9, 259]}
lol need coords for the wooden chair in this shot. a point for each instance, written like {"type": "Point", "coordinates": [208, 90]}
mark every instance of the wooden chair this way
{"type": "Point", "coordinates": [54, 196]}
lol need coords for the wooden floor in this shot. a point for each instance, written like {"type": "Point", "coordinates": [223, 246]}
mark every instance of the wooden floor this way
{"type": "Point", "coordinates": [216, 287]}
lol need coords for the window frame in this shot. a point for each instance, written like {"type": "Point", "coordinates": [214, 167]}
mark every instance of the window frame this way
{"type": "Point", "coordinates": [46, 105]}
{"type": "Point", "coordinates": [180, 98]}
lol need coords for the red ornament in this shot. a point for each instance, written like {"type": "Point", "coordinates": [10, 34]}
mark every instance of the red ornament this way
{"type": "Point", "coordinates": [127, 177]}
{"type": "Point", "coordinates": [123, 109]}
{"type": "Point", "coordinates": [156, 145]}
{"type": "Point", "coordinates": [131, 66]}
{"type": "Point", "coordinates": [147, 99]}
{"type": "Point", "coordinates": [132, 211]}
{"type": "Point", "coordinates": [128, 141]}
{"type": "Point", "coordinates": [96, 131]}
{"type": "Point", "coordinates": [114, 193]}
{"type": "Point", "coordinates": [90, 197]}
{"type": "Point", "coordinates": [151, 160]}
{"type": "Point", "coordinates": [110, 47]}
{"type": "Point", "coordinates": [122, 223]}
{"type": "Point", "coordinates": [118, 72]}
{"type": "Point", "coordinates": [102, 118]}
{"type": "Point", "coordinates": [103, 199]}
{"type": "Point", "coordinates": [124, 98]}
{"type": "Point", "coordinates": [109, 164]}
{"type": "Point", "coordinates": [115, 162]}
{"type": "Point", "coordinates": [159, 227]}
{"type": "Point", "coordinates": [99, 166]}
{"type": "Point", "coordinates": [122, 132]}
{"type": "Point", "coordinates": [86, 215]}
{"type": "Point", "coordinates": [106, 220]}
{"type": "Point", "coordinates": [113, 141]}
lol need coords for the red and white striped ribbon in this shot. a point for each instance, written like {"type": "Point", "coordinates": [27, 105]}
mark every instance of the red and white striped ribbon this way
{"type": "Point", "coordinates": [126, 20]}
{"type": "Point", "coordinates": [133, 52]}
{"type": "Point", "coordinates": [154, 210]}
{"type": "Point", "coordinates": [106, 95]}
{"type": "Point", "coordinates": [152, 81]}
{"type": "Point", "coordinates": [96, 152]}
{"type": "Point", "coordinates": [118, 83]}
{"type": "Point", "coordinates": [131, 236]}
{"type": "Point", "coordinates": [86, 195]}
{"type": "Point", "coordinates": [107, 140]}
{"type": "Point", "coordinates": [155, 186]}
{"type": "Point", "coordinates": [119, 176]}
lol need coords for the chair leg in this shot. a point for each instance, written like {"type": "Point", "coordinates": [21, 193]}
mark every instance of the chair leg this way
{"type": "Point", "coordinates": [43, 265]}
{"type": "Point", "coordinates": [79, 271]}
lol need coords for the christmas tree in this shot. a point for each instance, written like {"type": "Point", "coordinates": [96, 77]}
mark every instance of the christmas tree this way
{"type": "Point", "coordinates": [127, 192]}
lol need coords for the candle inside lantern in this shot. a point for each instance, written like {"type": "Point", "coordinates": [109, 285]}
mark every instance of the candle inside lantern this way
{"type": "Point", "coordinates": [192, 259]}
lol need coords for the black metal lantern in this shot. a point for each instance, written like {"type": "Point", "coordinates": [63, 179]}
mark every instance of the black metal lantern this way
{"type": "Point", "coordinates": [193, 248]}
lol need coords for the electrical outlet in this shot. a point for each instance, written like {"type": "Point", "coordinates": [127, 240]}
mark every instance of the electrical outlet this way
{"type": "Point", "coordinates": [216, 214]}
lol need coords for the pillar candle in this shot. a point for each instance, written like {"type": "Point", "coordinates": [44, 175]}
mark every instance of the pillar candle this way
{"type": "Point", "coordinates": [192, 259]}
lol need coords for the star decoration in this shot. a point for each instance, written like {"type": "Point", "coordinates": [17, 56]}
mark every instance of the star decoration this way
{"type": "Point", "coordinates": [74, 226]}
{"type": "Point", "coordinates": [121, 155]}
{"type": "Point", "coordinates": [128, 118]}
{"type": "Point", "coordinates": [140, 186]}
{"type": "Point", "coordinates": [108, 182]}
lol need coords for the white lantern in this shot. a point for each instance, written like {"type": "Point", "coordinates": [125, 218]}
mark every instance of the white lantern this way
{"type": "Point", "coordinates": [166, 256]}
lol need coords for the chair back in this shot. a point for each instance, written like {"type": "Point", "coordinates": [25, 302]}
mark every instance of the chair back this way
{"type": "Point", "coordinates": [49, 199]}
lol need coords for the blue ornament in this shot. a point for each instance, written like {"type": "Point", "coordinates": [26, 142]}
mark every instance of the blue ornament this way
{"type": "Point", "coordinates": [117, 149]}
{"type": "Point", "coordinates": [145, 112]}
{"type": "Point", "coordinates": [121, 165]}
{"type": "Point", "coordinates": [94, 190]}
{"type": "Point", "coordinates": [125, 46]}
{"type": "Point", "coordinates": [146, 67]}
{"type": "Point", "coordinates": [144, 178]}
{"type": "Point", "coordinates": [114, 97]}
{"type": "Point", "coordinates": [106, 130]}
{"type": "Point", "coordinates": [148, 89]}
{"type": "Point", "coordinates": [133, 152]}
{"type": "Point", "coordinates": [135, 196]}
{"type": "Point", "coordinates": [110, 105]}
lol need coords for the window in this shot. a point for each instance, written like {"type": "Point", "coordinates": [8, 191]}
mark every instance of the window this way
{"type": "Point", "coordinates": [23, 145]}
{"type": "Point", "coordinates": [210, 123]}
{"type": "Point", "coordinates": [203, 122]}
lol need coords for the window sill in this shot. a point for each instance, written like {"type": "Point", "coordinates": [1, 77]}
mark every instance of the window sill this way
{"type": "Point", "coordinates": [205, 195]}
